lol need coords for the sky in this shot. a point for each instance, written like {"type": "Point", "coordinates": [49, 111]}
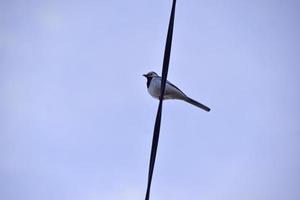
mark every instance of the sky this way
{"type": "Point", "coordinates": [76, 120]}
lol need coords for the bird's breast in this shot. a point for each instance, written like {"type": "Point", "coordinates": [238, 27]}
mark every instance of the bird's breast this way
{"type": "Point", "coordinates": [154, 88]}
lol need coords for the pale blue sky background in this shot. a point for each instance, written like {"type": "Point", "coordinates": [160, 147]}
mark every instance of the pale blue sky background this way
{"type": "Point", "coordinates": [76, 120]}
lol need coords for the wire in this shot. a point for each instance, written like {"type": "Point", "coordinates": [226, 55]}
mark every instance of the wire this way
{"type": "Point", "coordinates": [165, 69]}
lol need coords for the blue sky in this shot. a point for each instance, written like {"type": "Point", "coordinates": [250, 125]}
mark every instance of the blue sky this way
{"type": "Point", "coordinates": [76, 120]}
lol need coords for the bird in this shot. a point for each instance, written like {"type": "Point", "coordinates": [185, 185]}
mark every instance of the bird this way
{"type": "Point", "coordinates": [171, 91]}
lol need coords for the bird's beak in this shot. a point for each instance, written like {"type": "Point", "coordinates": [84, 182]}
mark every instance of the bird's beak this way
{"type": "Point", "coordinates": [145, 75]}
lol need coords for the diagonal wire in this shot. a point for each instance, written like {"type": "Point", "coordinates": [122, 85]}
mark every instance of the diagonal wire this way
{"type": "Point", "coordinates": [165, 69]}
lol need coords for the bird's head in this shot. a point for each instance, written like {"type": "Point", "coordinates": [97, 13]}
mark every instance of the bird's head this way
{"type": "Point", "coordinates": [150, 75]}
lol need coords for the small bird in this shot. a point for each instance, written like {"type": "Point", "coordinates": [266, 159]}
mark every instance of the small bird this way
{"type": "Point", "coordinates": [171, 91]}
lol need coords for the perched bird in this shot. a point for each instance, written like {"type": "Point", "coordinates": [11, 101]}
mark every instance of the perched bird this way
{"type": "Point", "coordinates": [171, 91]}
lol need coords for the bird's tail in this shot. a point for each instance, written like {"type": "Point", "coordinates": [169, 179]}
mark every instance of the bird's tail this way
{"type": "Point", "coordinates": [195, 103]}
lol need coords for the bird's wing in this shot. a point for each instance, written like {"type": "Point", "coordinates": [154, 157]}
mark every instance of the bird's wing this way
{"type": "Point", "coordinates": [172, 91]}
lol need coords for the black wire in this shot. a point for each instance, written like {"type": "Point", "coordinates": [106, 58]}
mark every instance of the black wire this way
{"type": "Point", "coordinates": [165, 69]}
